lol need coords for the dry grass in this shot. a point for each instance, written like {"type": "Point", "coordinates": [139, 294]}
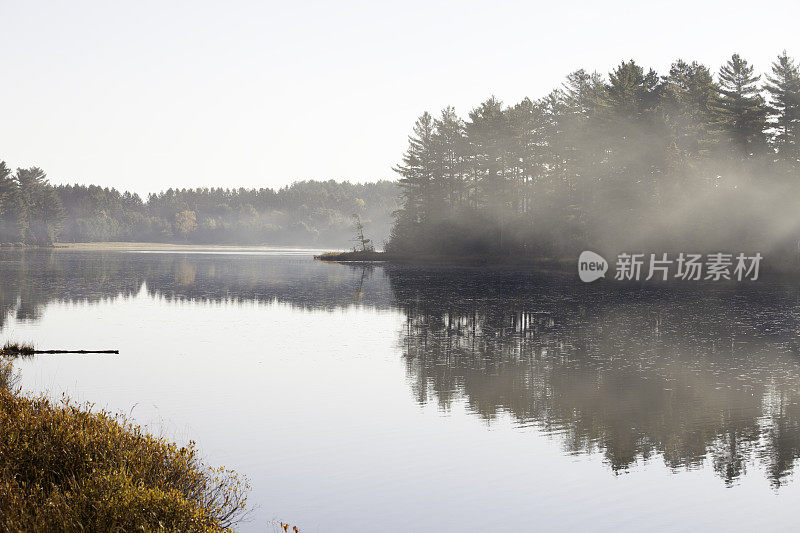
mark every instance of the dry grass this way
{"type": "Point", "coordinates": [14, 349]}
{"type": "Point", "coordinates": [8, 376]}
{"type": "Point", "coordinates": [66, 468]}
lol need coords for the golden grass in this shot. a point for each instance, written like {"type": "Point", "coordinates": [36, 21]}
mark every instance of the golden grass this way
{"type": "Point", "coordinates": [66, 468]}
{"type": "Point", "coordinates": [8, 376]}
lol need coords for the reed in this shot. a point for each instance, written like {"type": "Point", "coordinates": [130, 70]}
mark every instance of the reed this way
{"type": "Point", "coordinates": [17, 348]}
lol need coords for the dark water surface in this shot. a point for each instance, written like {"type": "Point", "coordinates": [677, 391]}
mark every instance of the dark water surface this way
{"type": "Point", "coordinates": [412, 399]}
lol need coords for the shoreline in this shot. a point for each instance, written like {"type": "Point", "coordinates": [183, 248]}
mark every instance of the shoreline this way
{"type": "Point", "coordinates": [780, 269]}
{"type": "Point", "coordinates": [62, 460]}
{"type": "Point", "coordinates": [455, 260]}
{"type": "Point", "coordinates": [160, 246]}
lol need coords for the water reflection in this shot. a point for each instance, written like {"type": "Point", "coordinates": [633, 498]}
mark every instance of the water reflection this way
{"type": "Point", "coordinates": [694, 376]}
{"type": "Point", "coordinates": [33, 278]}
{"type": "Point", "coordinates": [691, 376]}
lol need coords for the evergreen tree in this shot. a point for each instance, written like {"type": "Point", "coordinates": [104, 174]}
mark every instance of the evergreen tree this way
{"type": "Point", "coordinates": [689, 94]}
{"type": "Point", "coordinates": [417, 170]}
{"type": "Point", "coordinates": [631, 93]}
{"type": "Point", "coordinates": [488, 133]}
{"type": "Point", "coordinates": [784, 110]}
{"type": "Point", "coordinates": [10, 208]}
{"type": "Point", "coordinates": [584, 93]}
{"type": "Point", "coordinates": [740, 108]}
{"type": "Point", "coordinates": [636, 135]}
{"type": "Point", "coordinates": [577, 134]}
{"type": "Point", "coordinates": [491, 159]}
{"type": "Point", "coordinates": [528, 151]}
{"type": "Point", "coordinates": [451, 150]}
{"type": "Point", "coordinates": [40, 208]}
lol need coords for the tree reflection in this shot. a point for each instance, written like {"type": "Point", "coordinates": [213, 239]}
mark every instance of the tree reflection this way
{"type": "Point", "coordinates": [30, 279]}
{"type": "Point", "coordinates": [692, 374]}
{"type": "Point", "coordinates": [696, 376]}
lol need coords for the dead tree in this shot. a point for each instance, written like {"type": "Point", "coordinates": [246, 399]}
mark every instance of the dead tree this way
{"type": "Point", "coordinates": [360, 240]}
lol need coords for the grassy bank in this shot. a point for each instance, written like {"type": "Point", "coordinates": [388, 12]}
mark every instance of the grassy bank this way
{"type": "Point", "coordinates": [66, 468]}
{"type": "Point", "coordinates": [456, 260]}
{"type": "Point", "coordinates": [369, 255]}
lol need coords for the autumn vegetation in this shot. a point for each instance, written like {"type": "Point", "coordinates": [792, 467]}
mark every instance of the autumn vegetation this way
{"type": "Point", "coordinates": [64, 467]}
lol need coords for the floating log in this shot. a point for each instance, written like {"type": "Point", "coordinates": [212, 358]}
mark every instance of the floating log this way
{"type": "Point", "coordinates": [76, 351]}
{"type": "Point", "coordinates": [27, 350]}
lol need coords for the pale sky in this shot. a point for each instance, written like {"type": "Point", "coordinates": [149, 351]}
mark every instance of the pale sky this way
{"type": "Point", "coordinates": [144, 95]}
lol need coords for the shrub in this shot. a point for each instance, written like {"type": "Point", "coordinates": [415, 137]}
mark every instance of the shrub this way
{"type": "Point", "coordinates": [8, 376]}
{"type": "Point", "coordinates": [66, 468]}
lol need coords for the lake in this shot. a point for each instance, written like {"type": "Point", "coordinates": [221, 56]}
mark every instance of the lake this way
{"type": "Point", "coordinates": [399, 398]}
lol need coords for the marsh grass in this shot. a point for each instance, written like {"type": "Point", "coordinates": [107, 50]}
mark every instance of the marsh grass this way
{"type": "Point", "coordinates": [64, 467]}
{"type": "Point", "coordinates": [17, 349]}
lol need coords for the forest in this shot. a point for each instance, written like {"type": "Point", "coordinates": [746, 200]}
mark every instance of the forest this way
{"type": "Point", "coordinates": [306, 213]}
{"type": "Point", "coordinates": [631, 161]}
{"type": "Point", "coordinates": [625, 162]}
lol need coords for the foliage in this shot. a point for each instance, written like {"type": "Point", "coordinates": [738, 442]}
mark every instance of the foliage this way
{"type": "Point", "coordinates": [632, 161]}
{"type": "Point", "coordinates": [8, 376]}
{"type": "Point", "coordinates": [30, 211]}
{"type": "Point", "coordinates": [185, 223]}
{"type": "Point", "coordinates": [66, 468]}
{"type": "Point", "coordinates": [304, 213]}
{"type": "Point", "coordinates": [783, 87]}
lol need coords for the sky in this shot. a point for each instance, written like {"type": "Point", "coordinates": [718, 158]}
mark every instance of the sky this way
{"type": "Point", "coordinates": [146, 95]}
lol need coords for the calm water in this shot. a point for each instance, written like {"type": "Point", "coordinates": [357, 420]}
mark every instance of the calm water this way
{"type": "Point", "coordinates": [415, 399]}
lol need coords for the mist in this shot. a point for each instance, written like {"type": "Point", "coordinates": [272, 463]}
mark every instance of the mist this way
{"type": "Point", "coordinates": [634, 162]}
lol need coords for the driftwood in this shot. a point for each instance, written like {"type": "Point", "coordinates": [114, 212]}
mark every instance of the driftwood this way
{"type": "Point", "coordinates": [35, 352]}
{"type": "Point", "coordinates": [75, 351]}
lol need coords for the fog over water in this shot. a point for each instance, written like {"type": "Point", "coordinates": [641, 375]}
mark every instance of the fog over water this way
{"type": "Point", "coordinates": [336, 247]}
{"type": "Point", "coordinates": [434, 397]}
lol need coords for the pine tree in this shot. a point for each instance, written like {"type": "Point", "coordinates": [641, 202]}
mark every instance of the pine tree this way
{"type": "Point", "coordinates": [10, 208]}
{"type": "Point", "coordinates": [528, 150]}
{"type": "Point", "coordinates": [636, 136]}
{"type": "Point", "coordinates": [632, 93]}
{"type": "Point", "coordinates": [51, 213]}
{"type": "Point", "coordinates": [740, 109]}
{"type": "Point", "coordinates": [784, 110]}
{"type": "Point", "coordinates": [489, 137]}
{"type": "Point", "coordinates": [40, 209]}
{"type": "Point", "coordinates": [417, 170]}
{"type": "Point", "coordinates": [584, 93]}
{"type": "Point", "coordinates": [490, 142]}
{"type": "Point", "coordinates": [577, 132]}
{"type": "Point", "coordinates": [689, 94]}
{"type": "Point", "coordinates": [451, 149]}
{"type": "Point", "coordinates": [6, 188]}
{"type": "Point", "coordinates": [416, 181]}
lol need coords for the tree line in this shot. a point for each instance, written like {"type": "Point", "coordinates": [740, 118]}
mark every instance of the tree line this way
{"type": "Point", "coordinates": [33, 211]}
{"type": "Point", "coordinates": [633, 159]}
